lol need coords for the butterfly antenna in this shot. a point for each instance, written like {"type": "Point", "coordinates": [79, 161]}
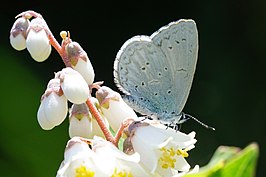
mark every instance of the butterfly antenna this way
{"type": "Point", "coordinates": [198, 121]}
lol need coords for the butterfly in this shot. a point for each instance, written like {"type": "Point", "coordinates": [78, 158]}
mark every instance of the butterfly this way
{"type": "Point", "coordinates": [156, 72]}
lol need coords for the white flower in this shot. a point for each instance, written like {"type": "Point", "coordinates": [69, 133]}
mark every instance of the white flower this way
{"type": "Point", "coordinates": [18, 33]}
{"type": "Point", "coordinates": [53, 107]}
{"type": "Point", "coordinates": [73, 85]}
{"type": "Point", "coordinates": [101, 159]}
{"type": "Point", "coordinates": [80, 160]}
{"type": "Point", "coordinates": [80, 61]}
{"type": "Point", "coordinates": [37, 41]}
{"type": "Point", "coordinates": [117, 163]}
{"type": "Point", "coordinates": [113, 107]}
{"type": "Point", "coordinates": [82, 123]}
{"type": "Point", "coordinates": [162, 150]}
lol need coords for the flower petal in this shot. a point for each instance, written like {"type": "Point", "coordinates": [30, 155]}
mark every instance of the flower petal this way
{"type": "Point", "coordinates": [73, 85]}
{"type": "Point", "coordinates": [38, 45]}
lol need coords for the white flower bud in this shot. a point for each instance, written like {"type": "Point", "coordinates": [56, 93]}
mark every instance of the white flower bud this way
{"type": "Point", "coordinates": [42, 118]}
{"type": "Point", "coordinates": [18, 33]}
{"type": "Point", "coordinates": [86, 70]}
{"type": "Point", "coordinates": [82, 123]}
{"type": "Point", "coordinates": [74, 86]}
{"type": "Point", "coordinates": [53, 107]}
{"type": "Point", "coordinates": [37, 41]}
{"type": "Point", "coordinates": [77, 146]}
{"type": "Point", "coordinates": [80, 61]}
{"type": "Point", "coordinates": [113, 107]}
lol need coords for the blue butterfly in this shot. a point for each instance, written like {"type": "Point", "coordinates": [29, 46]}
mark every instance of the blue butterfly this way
{"type": "Point", "coordinates": [156, 72]}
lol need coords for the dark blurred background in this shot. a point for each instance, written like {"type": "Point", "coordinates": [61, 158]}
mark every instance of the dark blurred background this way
{"type": "Point", "coordinates": [228, 91]}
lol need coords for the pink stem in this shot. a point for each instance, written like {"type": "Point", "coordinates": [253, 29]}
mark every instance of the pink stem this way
{"type": "Point", "coordinates": [121, 129]}
{"type": "Point", "coordinates": [102, 125]}
{"type": "Point", "coordinates": [61, 50]}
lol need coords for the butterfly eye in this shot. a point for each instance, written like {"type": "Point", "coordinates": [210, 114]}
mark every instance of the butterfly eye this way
{"type": "Point", "coordinates": [169, 92]}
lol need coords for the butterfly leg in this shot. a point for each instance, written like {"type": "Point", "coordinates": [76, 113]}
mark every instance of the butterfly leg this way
{"type": "Point", "coordinates": [172, 125]}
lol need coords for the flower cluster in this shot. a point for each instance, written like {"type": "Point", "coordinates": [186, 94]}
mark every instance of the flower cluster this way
{"type": "Point", "coordinates": [149, 148]}
{"type": "Point", "coordinates": [31, 35]}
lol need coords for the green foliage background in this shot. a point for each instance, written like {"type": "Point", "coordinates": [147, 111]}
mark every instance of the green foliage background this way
{"type": "Point", "coordinates": [228, 90]}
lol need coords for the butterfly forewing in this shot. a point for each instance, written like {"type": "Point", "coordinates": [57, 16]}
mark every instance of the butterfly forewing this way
{"type": "Point", "coordinates": [157, 72]}
{"type": "Point", "coordinates": [179, 43]}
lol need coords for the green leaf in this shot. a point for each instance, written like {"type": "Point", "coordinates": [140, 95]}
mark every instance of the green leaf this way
{"type": "Point", "coordinates": [231, 161]}
{"type": "Point", "coordinates": [243, 164]}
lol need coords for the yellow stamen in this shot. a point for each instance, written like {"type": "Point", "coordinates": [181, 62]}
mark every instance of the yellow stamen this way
{"type": "Point", "coordinates": [167, 160]}
{"type": "Point", "coordinates": [28, 16]}
{"type": "Point", "coordinates": [63, 34]}
{"type": "Point", "coordinates": [184, 153]}
{"type": "Point", "coordinates": [168, 156]}
{"type": "Point", "coordinates": [82, 171]}
{"type": "Point", "coordinates": [121, 174]}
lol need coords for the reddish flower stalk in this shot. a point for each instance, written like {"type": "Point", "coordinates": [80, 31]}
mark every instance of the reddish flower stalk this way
{"type": "Point", "coordinates": [121, 129]}
{"type": "Point", "coordinates": [60, 49]}
{"type": "Point", "coordinates": [99, 119]}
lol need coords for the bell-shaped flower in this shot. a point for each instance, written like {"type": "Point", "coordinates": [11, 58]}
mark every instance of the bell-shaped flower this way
{"type": "Point", "coordinates": [74, 86]}
{"type": "Point", "coordinates": [18, 33]}
{"type": "Point", "coordinates": [80, 160]}
{"type": "Point", "coordinates": [162, 150]}
{"type": "Point", "coordinates": [113, 107]}
{"type": "Point", "coordinates": [80, 61]}
{"type": "Point", "coordinates": [117, 163]}
{"type": "Point", "coordinates": [37, 41]}
{"type": "Point", "coordinates": [53, 107]}
{"type": "Point", "coordinates": [98, 158]}
{"type": "Point", "coordinates": [82, 123]}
